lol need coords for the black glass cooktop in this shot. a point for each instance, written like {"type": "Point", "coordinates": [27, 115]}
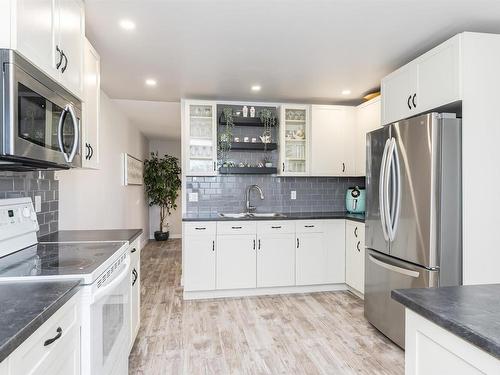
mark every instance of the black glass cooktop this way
{"type": "Point", "coordinates": [52, 259]}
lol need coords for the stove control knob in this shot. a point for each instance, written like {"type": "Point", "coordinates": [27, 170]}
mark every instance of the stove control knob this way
{"type": "Point", "coordinates": [26, 212]}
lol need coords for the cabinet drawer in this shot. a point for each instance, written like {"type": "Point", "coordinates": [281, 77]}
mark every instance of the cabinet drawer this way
{"type": "Point", "coordinates": [200, 228]}
{"type": "Point", "coordinates": [266, 227]}
{"type": "Point", "coordinates": [237, 227]}
{"type": "Point", "coordinates": [309, 226]}
{"type": "Point", "coordinates": [34, 357]}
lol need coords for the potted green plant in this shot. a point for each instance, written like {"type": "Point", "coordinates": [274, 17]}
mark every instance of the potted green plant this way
{"type": "Point", "coordinates": [162, 185]}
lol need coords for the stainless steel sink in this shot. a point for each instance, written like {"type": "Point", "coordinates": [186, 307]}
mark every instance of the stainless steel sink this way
{"type": "Point", "coordinates": [243, 215]}
{"type": "Point", "coordinates": [270, 214]}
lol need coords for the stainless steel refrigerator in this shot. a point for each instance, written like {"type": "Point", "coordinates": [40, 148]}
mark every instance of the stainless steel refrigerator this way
{"type": "Point", "coordinates": [413, 214]}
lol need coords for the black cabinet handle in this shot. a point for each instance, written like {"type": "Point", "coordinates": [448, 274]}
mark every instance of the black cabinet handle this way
{"type": "Point", "coordinates": [58, 65]}
{"type": "Point", "coordinates": [136, 276]}
{"type": "Point", "coordinates": [413, 100]}
{"type": "Point", "coordinates": [357, 246]}
{"type": "Point", "coordinates": [88, 151]}
{"type": "Point", "coordinates": [91, 151]}
{"type": "Point", "coordinates": [63, 69]}
{"type": "Point", "coordinates": [283, 167]}
{"type": "Point", "coordinates": [308, 226]}
{"type": "Point", "coordinates": [343, 167]}
{"type": "Point", "coordinates": [356, 232]}
{"type": "Point", "coordinates": [277, 227]}
{"type": "Point", "coordinates": [133, 250]}
{"type": "Point", "coordinates": [259, 243]}
{"type": "Point", "coordinates": [236, 227]}
{"type": "Point", "coordinates": [215, 166]}
{"type": "Point", "coordinates": [200, 228]}
{"type": "Point", "coordinates": [254, 244]}
{"type": "Point", "coordinates": [213, 245]}
{"type": "Point", "coordinates": [56, 337]}
{"type": "Point", "coordinates": [408, 102]}
{"type": "Point", "coordinates": [298, 243]}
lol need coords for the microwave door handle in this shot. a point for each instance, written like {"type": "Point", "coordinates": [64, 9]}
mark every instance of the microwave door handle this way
{"type": "Point", "coordinates": [103, 292]}
{"type": "Point", "coordinates": [381, 190]}
{"type": "Point", "coordinates": [64, 113]}
{"type": "Point", "coordinates": [76, 132]}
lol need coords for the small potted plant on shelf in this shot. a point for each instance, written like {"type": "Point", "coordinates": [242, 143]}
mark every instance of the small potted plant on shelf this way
{"type": "Point", "coordinates": [162, 185]}
{"type": "Point", "coordinates": [268, 163]}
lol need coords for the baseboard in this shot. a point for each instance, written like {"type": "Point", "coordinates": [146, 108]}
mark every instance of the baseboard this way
{"type": "Point", "coordinates": [208, 294]}
{"type": "Point", "coordinates": [356, 292]}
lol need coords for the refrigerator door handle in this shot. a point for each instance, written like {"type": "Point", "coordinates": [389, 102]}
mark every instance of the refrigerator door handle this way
{"type": "Point", "coordinates": [381, 201]}
{"type": "Point", "coordinates": [387, 178]}
{"type": "Point", "coordinates": [391, 267]}
{"type": "Point", "coordinates": [397, 172]}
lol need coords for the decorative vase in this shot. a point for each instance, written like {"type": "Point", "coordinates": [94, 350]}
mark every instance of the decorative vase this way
{"type": "Point", "coordinates": [161, 236]}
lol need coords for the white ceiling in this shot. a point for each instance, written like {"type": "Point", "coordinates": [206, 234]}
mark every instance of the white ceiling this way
{"type": "Point", "coordinates": [298, 50]}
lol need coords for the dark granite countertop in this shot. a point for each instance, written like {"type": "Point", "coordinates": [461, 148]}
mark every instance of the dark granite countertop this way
{"type": "Point", "coordinates": [25, 306]}
{"type": "Point", "coordinates": [471, 312]}
{"type": "Point", "coordinates": [92, 235]}
{"type": "Point", "coordinates": [288, 216]}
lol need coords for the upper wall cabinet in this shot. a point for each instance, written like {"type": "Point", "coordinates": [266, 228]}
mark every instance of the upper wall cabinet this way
{"type": "Point", "coordinates": [199, 134]}
{"type": "Point", "coordinates": [367, 119]}
{"type": "Point", "coordinates": [50, 34]}
{"type": "Point", "coordinates": [333, 136]}
{"type": "Point", "coordinates": [295, 140]}
{"type": "Point", "coordinates": [91, 107]}
{"type": "Point", "coordinates": [428, 82]}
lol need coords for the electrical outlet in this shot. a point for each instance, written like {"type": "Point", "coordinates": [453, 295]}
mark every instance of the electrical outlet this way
{"type": "Point", "coordinates": [293, 194]}
{"type": "Point", "coordinates": [193, 197]}
{"type": "Point", "coordinates": [38, 203]}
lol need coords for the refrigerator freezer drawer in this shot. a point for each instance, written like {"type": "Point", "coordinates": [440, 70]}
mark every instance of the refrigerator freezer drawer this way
{"type": "Point", "coordinates": [382, 275]}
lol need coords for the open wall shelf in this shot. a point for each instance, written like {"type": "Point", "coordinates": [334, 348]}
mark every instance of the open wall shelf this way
{"type": "Point", "coordinates": [242, 121]}
{"type": "Point", "coordinates": [248, 146]}
{"type": "Point", "coordinates": [247, 170]}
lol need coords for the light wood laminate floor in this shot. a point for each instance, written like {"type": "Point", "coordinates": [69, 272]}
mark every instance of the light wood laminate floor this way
{"type": "Point", "coordinates": [317, 333]}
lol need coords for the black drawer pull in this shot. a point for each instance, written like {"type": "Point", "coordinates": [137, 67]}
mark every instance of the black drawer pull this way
{"type": "Point", "coordinates": [408, 102]}
{"type": "Point", "coordinates": [56, 337]}
{"type": "Point", "coordinates": [278, 227]}
{"type": "Point", "coordinates": [133, 250]}
{"type": "Point", "coordinates": [236, 227]}
{"type": "Point", "coordinates": [309, 226]}
{"type": "Point", "coordinates": [213, 245]}
{"type": "Point", "coordinates": [357, 246]}
{"type": "Point", "coordinates": [356, 232]}
{"type": "Point", "coordinates": [298, 243]}
{"type": "Point", "coordinates": [200, 228]}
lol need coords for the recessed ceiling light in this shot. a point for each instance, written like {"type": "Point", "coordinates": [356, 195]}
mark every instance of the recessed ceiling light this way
{"type": "Point", "coordinates": [346, 92]}
{"type": "Point", "coordinates": [127, 24]}
{"type": "Point", "coordinates": [151, 82]}
{"type": "Point", "coordinates": [256, 88]}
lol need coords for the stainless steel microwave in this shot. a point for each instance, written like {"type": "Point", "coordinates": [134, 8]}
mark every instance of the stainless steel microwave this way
{"type": "Point", "coordinates": [40, 120]}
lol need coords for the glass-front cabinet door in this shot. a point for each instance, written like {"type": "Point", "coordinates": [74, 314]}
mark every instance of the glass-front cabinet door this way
{"type": "Point", "coordinates": [200, 138]}
{"type": "Point", "coordinates": [295, 140]}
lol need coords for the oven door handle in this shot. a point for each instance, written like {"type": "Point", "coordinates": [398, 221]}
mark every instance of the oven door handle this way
{"type": "Point", "coordinates": [118, 279]}
{"type": "Point", "coordinates": [76, 131]}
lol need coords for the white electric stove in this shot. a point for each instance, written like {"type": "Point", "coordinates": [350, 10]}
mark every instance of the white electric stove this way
{"type": "Point", "coordinates": [102, 267]}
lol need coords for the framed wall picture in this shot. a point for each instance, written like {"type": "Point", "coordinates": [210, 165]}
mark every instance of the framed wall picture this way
{"type": "Point", "coordinates": [132, 170]}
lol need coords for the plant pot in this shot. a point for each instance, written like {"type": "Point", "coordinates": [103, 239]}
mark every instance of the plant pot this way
{"type": "Point", "coordinates": [161, 236]}
{"type": "Point", "coordinates": [269, 165]}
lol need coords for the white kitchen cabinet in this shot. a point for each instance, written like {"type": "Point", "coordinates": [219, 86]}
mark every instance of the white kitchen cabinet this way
{"type": "Point", "coordinates": [334, 242]}
{"type": "Point", "coordinates": [332, 136]}
{"type": "Point", "coordinates": [430, 81]}
{"type": "Point", "coordinates": [135, 290]}
{"type": "Point", "coordinates": [236, 261]}
{"type": "Point", "coordinates": [432, 350]}
{"type": "Point", "coordinates": [367, 119]}
{"type": "Point", "coordinates": [275, 254]}
{"type": "Point", "coordinates": [50, 34]}
{"type": "Point", "coordinates": [91, 107]}
{"type": "Point", "coordinates": [199, 256]}
{"type": "Point", "coordinates": [295, 138]}
{"type": "Point", "coordinates": [199, 129]}
{"type": "Point", "coordinates": [355, 255]}
{"type": "Point", "coordinates": [311, 254]}
{"type": "Point", "coordinates": [61, 357]}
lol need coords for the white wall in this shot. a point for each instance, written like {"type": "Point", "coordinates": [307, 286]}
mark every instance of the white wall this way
{"type": "Point", "coordinates": [172, 148]}
{"type": "Point", "coordinates": [97, 199]}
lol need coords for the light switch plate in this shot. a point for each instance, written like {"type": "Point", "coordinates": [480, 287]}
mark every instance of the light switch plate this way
{"type": "Point", "coordinates": [293, 194]}
{"type": "Point", "coordinates": [38, 203]}
{"type": "Point", "coordinates": [193, 197]}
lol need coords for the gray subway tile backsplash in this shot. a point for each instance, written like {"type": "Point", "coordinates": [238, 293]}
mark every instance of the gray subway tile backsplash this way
{"type": "Point", "coordinates": [227, 193]}
{"type": "Point", "coordinates": [29, 184]}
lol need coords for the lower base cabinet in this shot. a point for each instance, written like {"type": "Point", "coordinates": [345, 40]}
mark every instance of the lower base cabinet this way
{"type": "Point", "coordinates": [276, 260]}
{"type": "Point", "coordinates": [135, 290]}
{"type": "Point", "coordinates": [355, 255]}
{"type": "Point", "coordinates": [198, 261]}
{"type": "Point", "coordinates": [236, 261]}
{"type": "Point", "coordinates": [310, 259]}
{"type": "Point", "coordinates": [61, 357]}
